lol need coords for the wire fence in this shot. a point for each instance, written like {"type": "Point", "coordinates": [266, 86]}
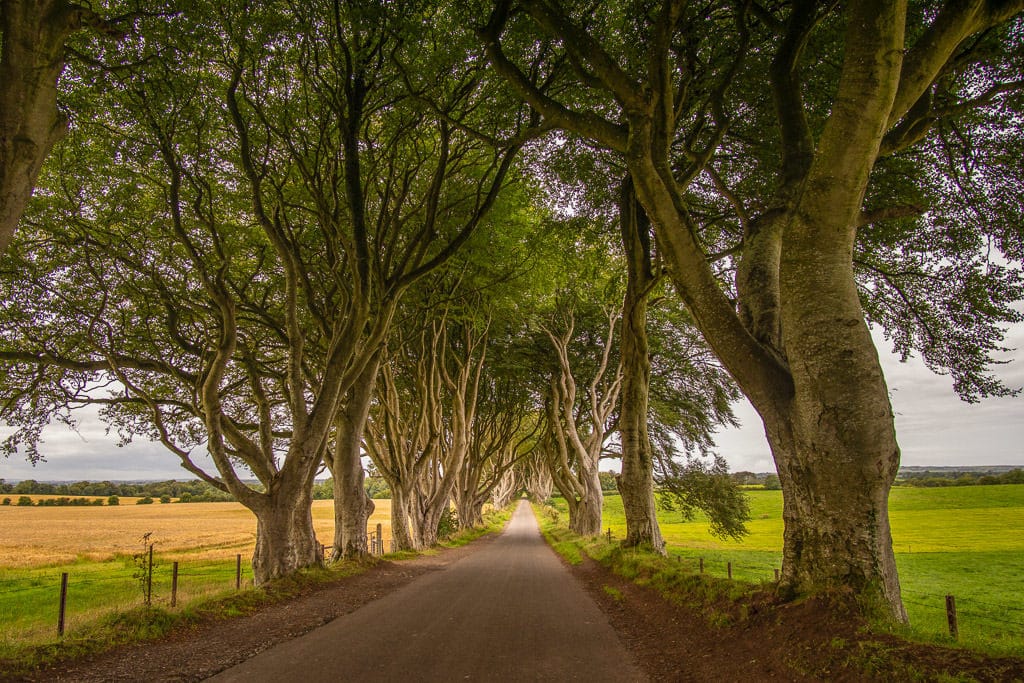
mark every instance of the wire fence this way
{"type": "Point", "coordinates": [962, 617]}
{"type": "Point", "coordinates": [36, 604]}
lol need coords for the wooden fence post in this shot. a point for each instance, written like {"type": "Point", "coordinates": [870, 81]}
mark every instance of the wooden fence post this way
{"type": "Point", "coordinates": [63, 603]}
{"type": "Point", "coordinates": [149, 578]}
{"type": "Point", "coordinates": [380, 539]}
{"type": "Point", "coordinates": [954, 629]}
{"type": "Point", "coordinates": [609, 534]}
{"type": "Point", "coordinates": [238, 571]}
{"type": "Point", "coordinates": [776, 576]}
{"type": "Point", "coordinates": [174, 584]}
{"type": "Point", "coordinates": [702, 565]}
{"type": "Point", "coordinates": [728, 567]}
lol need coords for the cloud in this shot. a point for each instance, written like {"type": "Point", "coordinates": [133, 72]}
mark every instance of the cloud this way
{"type": "Point", "coordinates": [933, 426]}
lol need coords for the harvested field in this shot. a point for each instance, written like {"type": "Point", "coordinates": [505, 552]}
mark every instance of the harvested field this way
{"type": "Point", "coordinates": [46, 536]}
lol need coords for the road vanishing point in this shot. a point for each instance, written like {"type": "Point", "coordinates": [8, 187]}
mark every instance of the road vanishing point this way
{"type": "Point", "coordinates": [509, 611]}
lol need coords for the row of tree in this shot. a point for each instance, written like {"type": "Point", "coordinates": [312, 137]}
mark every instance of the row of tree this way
{"type": "Point", "coordinates": [938, 479]}
{"type": "Point", "coordinates": [490, 244]}
{"type": "Point", "coordinates": [195, 489]}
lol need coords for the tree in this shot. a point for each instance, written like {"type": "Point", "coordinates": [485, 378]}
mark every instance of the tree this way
{"type": "Point", "coordinates": [283, 225]}
{"type": "Point", "coordinates": [580, 423]}
{"type": "Point", "coordinates": [636, 483]}
{"type": "Point", "coordinates": [36, 38]}
{"type": "Point", "coordinates": [423, 171]}
{"type": "Point", "coordinates": [679, 91]}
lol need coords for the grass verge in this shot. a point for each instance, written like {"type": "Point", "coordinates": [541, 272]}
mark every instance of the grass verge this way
{"type": "Point", "coordinates": [872, 650]}
{"type": "Point", "coordinates": [133, 623]}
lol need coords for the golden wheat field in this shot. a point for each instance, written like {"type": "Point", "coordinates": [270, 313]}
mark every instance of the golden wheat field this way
{"type": "Point", "coordinates": [36, 536]}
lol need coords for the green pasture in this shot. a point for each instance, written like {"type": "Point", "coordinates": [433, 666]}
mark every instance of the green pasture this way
{"type": "Point", "coordinates": [30, 597]}
{"type": "Point", "coordinates": [963, 541]}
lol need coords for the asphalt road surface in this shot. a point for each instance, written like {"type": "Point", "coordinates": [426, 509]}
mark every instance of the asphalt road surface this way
{"type": "Point", "coordinates": [507, 612]}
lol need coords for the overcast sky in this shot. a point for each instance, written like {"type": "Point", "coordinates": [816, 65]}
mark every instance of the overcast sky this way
{"type": "Point", "coordinates": [933, 426]}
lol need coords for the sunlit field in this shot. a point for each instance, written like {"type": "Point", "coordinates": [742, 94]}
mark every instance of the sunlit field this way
{"type": "Point", "coordinates": [963, 541]}
{"type": "Point", "coordinates": [95, 547]}
{"type": "Point", "coordinates": [49, 536]}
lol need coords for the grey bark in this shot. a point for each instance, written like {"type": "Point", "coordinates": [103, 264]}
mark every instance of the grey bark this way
{"type": "Point", "coordinates": [636, 481]}
{"type": "Point", "coordinates": [32, 58]}
{"type": "Point", "coordinates": [285, 540]}
{"type": "Point", "coordinates": [400, 529]}
{"type": "Point", "coordinates": [352, 505]}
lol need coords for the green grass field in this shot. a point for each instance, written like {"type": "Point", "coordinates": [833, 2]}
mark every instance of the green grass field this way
{"type": "Point", "coordinates": [964, 541]}
{"type": "Point", "coordinates": [30, 597]}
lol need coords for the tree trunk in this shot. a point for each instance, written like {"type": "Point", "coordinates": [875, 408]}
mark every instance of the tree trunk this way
{"type": "Point", "coordinates": [636, 482]}
{"type": "Point", "coordinates": [352, 510]}
{"type": "Point", "coordinates": [425, 520]}
{"type": "Point", "coordinates": [285, 540]}
{"type": "Point", "coordinates": [585, 516]}
{"type": "Point", "coordinates": [32, 58]}
{"type": "Point", "coordinates": [839, 465]}
{"type": "Point", "coordinates": [539, 484]}
{"type": "Point", "coordinates": [468, 511]}
{"type": "Point", "coordinates": [400, 531]}
{"type": "Point", "coordinates": [844, 456]}
{"type": "Point", "coordinates": [507, 487]}
{"type": "Point", "coordinates": [352, 505]}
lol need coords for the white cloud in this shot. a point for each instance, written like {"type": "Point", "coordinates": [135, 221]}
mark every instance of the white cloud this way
{"type": "Point", "coordinates": [933, 426]}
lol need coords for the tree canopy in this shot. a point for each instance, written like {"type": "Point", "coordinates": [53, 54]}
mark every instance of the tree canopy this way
{"type": "Point", "coordinates": [287, 232]}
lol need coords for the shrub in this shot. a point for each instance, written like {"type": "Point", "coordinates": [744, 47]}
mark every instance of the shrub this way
{"type": "Point", "coordinates": [7, 501]}
{"type": "Point", "coordinates": [448, 524]}
{"type": "Point", "coordinates": [165, 499]}
{"type": "Point", "coordinates": [24, 501]}
{"type": "Point", "coordinates": [144, 501]}
{"type": "Point", "coordinates": [113, 500]}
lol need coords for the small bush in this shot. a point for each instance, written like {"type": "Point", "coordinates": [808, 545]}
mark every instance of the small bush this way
{"type": "Point", "coordinates": [24, 501]}
{"type": "Point", "coordinates": [7, 501]}
{"type": "Point", "coordinates": [448, 524]}
{"type": "Point", "coordinates": [165, 499]}
{"type": "Point", "coordinates": [144, 501]}
{"type": "Point", "coordinates": [113, 500]}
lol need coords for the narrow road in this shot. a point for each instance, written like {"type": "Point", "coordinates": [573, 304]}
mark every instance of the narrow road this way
{"type": "Point", "coordinates": [508, 612]}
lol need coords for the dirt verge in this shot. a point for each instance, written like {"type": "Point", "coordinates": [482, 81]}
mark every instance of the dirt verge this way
{"type": "Point", "coordinates": [767, 640]}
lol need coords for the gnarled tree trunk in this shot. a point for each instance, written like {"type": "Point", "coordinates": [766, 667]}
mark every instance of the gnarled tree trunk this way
{"type": "Point", "coordinates": [636, 481]}
{"type": "Point", "coordinates": [575, 445]}
{"type": "Point", "coordinates": [400, 529]}
{"type": "Point", "coordinates": [585, 515]}
{"type": "Point", "coordinates": [352, 505]}
{"type": "Point", "coordinates": [538, 480]}
{"type": "Point", "coordinates": [32, 58]}
{"type": "Point", "coordinates": [285, 540]}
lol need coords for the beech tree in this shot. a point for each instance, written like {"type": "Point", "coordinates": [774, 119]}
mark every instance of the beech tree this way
{"type": "Point", "coordinates": [781, 150]}
{"type": "Point", "coordinates": [419, 438]}
{"type": "Point", "coordinates": [581, 419]}
{"type": "Point", "coordinates": [280, 188]}
{"type": "Point", "coordinates": [33, 53]}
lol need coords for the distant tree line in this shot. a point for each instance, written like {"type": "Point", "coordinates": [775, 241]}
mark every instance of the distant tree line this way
{"type": "Point", "coordinates": [924, 478]}
{"type": "Point", "coordinates": [376, 488]}
{"type": "Point", "coordinates": [768, 481]}
{"type": "Point", "coordinates": [194, 491]}
{"type": "Point", "coordinates": [954, 478]}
